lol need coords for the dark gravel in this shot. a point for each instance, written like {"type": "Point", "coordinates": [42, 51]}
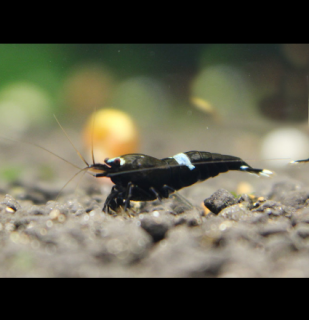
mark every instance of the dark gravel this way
{"type": "Point", "coordinates": [219, 200]}
{"type": "Point", "coordinates": [237, 236]}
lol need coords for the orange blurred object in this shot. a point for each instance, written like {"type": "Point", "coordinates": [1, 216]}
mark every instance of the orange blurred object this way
{"type": "Point", "coordinates": [111, 133]}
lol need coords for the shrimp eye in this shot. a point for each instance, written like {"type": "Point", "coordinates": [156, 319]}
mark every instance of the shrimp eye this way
{"type": "Point", "coordinates": [116, 162]}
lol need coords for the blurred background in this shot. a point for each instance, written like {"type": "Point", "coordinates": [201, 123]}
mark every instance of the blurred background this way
{"type": "Point", "coordinates": [246, 100]}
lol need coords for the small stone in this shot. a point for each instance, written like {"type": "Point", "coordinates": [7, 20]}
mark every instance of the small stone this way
{"type": "Point", "coordinates": [219, 200]}
{"type": "Point", "coordinates": [54, 214]}
{"type": "Point", "coordinates": [11, 204]}
{"type": "Point", "coordinates": [10, 209]}
{"type": "Point", "coordinates": [243, 198]}
{"type": "Point", "coordinates": [235, 212]}
{"type": "Point", "coordinates": [271, 208]}
{"type": "Point", "coordinates": [157, 229]}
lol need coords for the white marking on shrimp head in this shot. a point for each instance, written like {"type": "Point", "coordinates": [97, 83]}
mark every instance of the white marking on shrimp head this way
{"type": "Point", "coordinates": [122, 161]}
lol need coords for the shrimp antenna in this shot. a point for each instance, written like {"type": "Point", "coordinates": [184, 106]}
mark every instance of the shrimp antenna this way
{"type": "Point", "coordinates": [75, 175]}
{"type": "Point", "coordinates": [38, 146]}
{"type": "Point", "coordinates": [83, 159]}
{"type": "Point", "coordinates": [308, 97]}
{"type": "Point", "coordinates": [93, 124]}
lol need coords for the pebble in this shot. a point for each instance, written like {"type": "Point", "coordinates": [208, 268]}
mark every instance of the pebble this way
{"type": "Point", "coordinates": [235, 212]}
{"type": "Point", "coordinates": [11, 203]}
{"type": "Point", "coordinates": [274, 208]}
{"type": "Point", "coordinates": [219, 200]}
{"type": "Point", "coordinates": [157, 228]}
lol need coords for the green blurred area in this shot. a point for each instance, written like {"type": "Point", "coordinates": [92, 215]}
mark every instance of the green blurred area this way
{"type": "Point", "coordinates": [51, 68]}
{"type": "Point", "coordinates": [158, 85]}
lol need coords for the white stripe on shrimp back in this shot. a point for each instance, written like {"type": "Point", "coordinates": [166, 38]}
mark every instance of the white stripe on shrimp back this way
{"type": "Point", "coordinates": [184, 160]}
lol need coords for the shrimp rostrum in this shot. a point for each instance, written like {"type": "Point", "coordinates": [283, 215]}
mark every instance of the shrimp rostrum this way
{"type": "Point", "coordinates": [139, 177]}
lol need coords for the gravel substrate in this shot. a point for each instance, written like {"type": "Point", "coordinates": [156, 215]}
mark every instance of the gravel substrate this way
{"type": "Point", "coordinates": [232, 236]}
{"type": "Point", "coordinates": [216, 230]}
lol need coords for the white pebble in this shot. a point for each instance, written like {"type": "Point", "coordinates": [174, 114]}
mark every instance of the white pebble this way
{"type": "Point", "coordinates": [285, 143]}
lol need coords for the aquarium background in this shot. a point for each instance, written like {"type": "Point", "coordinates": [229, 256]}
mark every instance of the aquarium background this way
{"type": "Point", "coordinates": [247, 100]}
